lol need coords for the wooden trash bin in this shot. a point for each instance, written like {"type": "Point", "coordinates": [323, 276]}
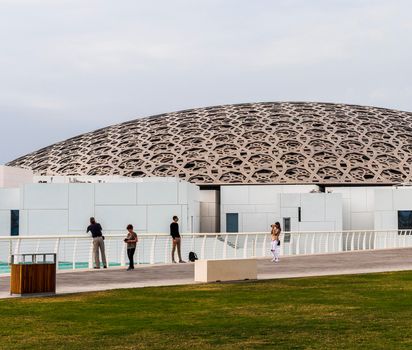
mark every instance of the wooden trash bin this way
{"type": "Point", "coordinates": [33, 274]}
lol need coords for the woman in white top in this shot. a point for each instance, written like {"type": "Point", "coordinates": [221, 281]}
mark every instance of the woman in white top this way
{"type": "Point", "coordinates": [275, 246]}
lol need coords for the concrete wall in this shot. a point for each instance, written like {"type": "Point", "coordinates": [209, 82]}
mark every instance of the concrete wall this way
{"type": "Point", "coordinates": [11, 177]}
{"type": "Point", "coordinates": [388, 201]}
{"type": "Point", "coordinates": [358, 206]}
{"type": "Point", "coordinates": [260, 206]}
{"type": "Point", "coordinates": [65, 208]}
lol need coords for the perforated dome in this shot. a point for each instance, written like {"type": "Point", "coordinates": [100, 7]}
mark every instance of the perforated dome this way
{"type": "Point", "coordinates": [277, 143]}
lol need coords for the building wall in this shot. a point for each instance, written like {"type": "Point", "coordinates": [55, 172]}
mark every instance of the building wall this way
{"type": "Point", "coordinates": [358, 206]}
{"type": "Point", "coordinates": [388, 201]}
{"type": "Point", "coordinates": [11, 177]}
{"type": "Point", "coordinates": [66, 208]}
{"type": "Point", "coordinates": [260, 206]}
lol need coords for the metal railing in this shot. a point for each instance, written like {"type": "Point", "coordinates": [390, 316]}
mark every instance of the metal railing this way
{"type": "Point", "coordinates": [76, 251]}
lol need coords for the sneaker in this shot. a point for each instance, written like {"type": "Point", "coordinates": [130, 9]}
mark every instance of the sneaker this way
{"type": "Point", "coordinates": [96, 267]}
{"type": "Point", "coordinates": [173, 262]}
{"type": "Point", "coordinates": [276, 260]}
{"type": "Point", "coordinates": [182, 262]}
{"type": "Point", "coordinates": [273, 260]}
{"type": "Point", "coordinates": [129, 268]}
{"type": "Point", "coordinates": [105, 267]}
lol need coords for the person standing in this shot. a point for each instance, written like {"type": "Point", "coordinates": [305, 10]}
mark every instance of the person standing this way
{"type": "Point", "coordinates": [131, 241]}
{"type": "Point", "coordinates": [98, 243]}
{"type": "Point", "coordinates": [174, 232]}
{"type": "Point", "coordinates": [275, 245]}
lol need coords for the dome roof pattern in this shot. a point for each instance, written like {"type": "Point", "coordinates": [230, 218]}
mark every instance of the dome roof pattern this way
{"type": "Point", "coordinates": [273, 143]}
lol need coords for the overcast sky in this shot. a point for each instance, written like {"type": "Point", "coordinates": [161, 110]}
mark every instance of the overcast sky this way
{"type": "Point", "coordinates": [72, 66]}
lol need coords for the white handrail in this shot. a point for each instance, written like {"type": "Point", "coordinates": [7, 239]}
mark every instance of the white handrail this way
{"type": "Point", "coordinates": [76, 251]}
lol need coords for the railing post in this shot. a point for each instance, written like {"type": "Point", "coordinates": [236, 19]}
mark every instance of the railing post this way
{"type": "Point", "coordinates": [236, 243]}
{"type": "Point", "coordinates": [152, 250]}
{"type": "Point", "coordinates": [264, 245]}
{"type": "Point", "coordinates": [91, 254]}
{"type": "Point", "coordinates": [245, 247]}
{"type": "Point", "coordinates": [123, 255]}
{"type": "Point", "coordinates": [74, 255]}
{"type": "Point", "coordinates": [56, 251]}
{"type": "Point", "coordinates": [225, 247]}
{"type": "Point", "coordinates": [298, 244]}
{"type": "Point", "coordinates": [202, 251]}
{"type": "Point", "coordinates": [255, 246]}
{"type": "Point", "coordinates": [312, 246]}
{"type": "Point", "coordinates": [214, 247]}
{"type": "Point", "coordinates": [166, 250]}
{"type": "Point", "coordinates": [364, 241]}
{"type": "Point", "coordinates": [17, 247]}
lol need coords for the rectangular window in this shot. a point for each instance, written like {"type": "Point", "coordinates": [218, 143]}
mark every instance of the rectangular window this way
{"type": "Point", "coordinates": [405, 220]}
{"type": "Point", "coordinates": [232, 222]}
{"type": "Point", "coordinates": [14, 222]}
{"type": "Point", "coordinates": [286, 229]}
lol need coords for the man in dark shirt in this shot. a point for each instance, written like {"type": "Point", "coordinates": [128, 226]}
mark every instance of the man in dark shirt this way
{"type": "Point", "coordinates": [174, 232]}
{"type": "Point", "coordinates": [98, 243]}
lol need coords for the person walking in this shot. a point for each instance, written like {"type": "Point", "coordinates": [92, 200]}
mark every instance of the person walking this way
{"type": "Point", "coordinates": [275, 245]}
{"type": "Point", "coordinates": [174, 232]}
{"type": "Point", "coordinates": [131, 241]}
{"type": "Point", "coordinates": [98, 243]}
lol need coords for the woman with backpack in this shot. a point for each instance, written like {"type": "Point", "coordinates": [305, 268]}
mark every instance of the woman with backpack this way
{"type": "Point", "coordinates": [131, 241]}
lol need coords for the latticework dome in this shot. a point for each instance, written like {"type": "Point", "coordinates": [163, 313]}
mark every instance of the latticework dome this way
{"type": "Point", "coordinates": [277, 143]}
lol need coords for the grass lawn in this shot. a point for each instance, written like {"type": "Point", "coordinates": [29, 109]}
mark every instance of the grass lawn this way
{"type": "Point", "coordinates": [344, 312]}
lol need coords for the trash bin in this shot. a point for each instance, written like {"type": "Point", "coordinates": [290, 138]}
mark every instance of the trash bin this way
{"type": "Point", "coordinates": [33, 274]}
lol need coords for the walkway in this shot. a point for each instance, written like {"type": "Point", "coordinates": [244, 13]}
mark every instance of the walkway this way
{"type": "Point", "coordinates": [177, 274]}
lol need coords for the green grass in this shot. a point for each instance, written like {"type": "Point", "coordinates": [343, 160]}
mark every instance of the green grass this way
{"type": "Point", "coordinates": [344, 312]}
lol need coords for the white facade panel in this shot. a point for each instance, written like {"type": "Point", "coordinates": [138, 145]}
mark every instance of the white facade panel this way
{"type": "Point", "coordinates": [48, 222]}
{"type": "Point", "coordinates": [362, 221]}
{"type": "Point", "coordinates": [149, 193]}
{"type": "Point", "coordinates": [81, 205]}
{"type": "Point", "coordinates": [254, 222]}
{"type": "Point", "coordinates": [313, 207]}
{"type": "Point", "coordinates": [263, 194]}
{"type": "Point", "coordinates": [160, 218]}
{"type": "Point", "coordinates": [358, 199]}
{"type": "Point", "coordinates": [5, 223]}
{"type": "Point", "coordinates": [116, 194]}
{"type": "Point", "coordinates": [46, 196]}
{"type": "Point", "coordinates": [290, 200]}
{"type": "Point", "coordinates": [317, 226]}
{"type": "Point", "coordinates": [234, 194]}
{"type": "Point", "coordinates": [116, 218]}
{"type": "Point", "coordinates": [383, 199]}
{"type": "Point", "coordinates": [402, 199]}
{"type": "Point", "coordinates": [9, 198]}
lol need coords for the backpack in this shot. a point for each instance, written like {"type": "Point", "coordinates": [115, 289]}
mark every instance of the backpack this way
{"type": "Point", "coordinates": [192, 256]}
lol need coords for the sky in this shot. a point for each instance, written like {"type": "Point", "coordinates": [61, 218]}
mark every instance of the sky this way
{"type": "Point", "coordinates": [73, 66]}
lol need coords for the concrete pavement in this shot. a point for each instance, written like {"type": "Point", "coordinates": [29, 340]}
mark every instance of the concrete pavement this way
{"type": "Point", "coordinates": [178, 274]}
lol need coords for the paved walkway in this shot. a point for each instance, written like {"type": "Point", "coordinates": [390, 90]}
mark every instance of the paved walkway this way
{"type": "Point", "coordinates": [177, 274]}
